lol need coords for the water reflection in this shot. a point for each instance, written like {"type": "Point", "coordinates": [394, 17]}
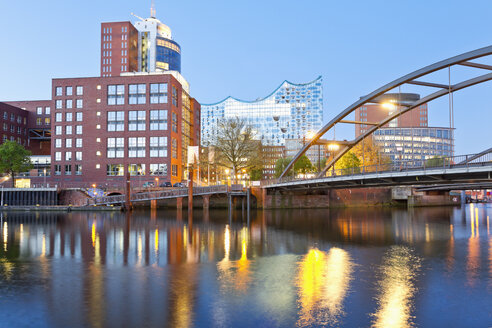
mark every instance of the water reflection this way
{"type": "Point", "coordinates": [280, 268]}
{"type": "Point", "coordinates": [396, 289]}
{"type": "Point", "coordinates": [323, 281]}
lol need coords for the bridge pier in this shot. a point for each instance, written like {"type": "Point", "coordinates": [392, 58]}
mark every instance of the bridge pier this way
{"type": "Point", "coordinates": [153, 204]}
{"type": "Point", "coordinates": [206, 201]}
{"type": "Point", "coordinates": [179, 203]}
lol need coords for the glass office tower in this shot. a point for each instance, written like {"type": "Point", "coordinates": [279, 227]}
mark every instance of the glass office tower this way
{"type": "Point", "coordinates": [289, 112]}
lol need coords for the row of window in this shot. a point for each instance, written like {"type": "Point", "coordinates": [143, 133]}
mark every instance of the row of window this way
{"type": "Point", "coordinates": [69, 117]}
{"type": "Point", "coordinates": [47, 110]}
{"type": "Point", "coordinates": [136, 169]}
{"type": "Point", "coordinates": [137, 147]}
{"type": "Point", "coordinates": [12, 118]}
{"type": "Point", "coordinates": [12, 129]}
{"type": "Point", "coordinates": [79, 91]}
{"type": "Point", "coordinates": [68, 156]}
{"type": "Point", "coordinates": [79, 103]}
{"type": "Point", "coordinates": [137, 120]}
{"type": "Point", "coordinates": [12, 138]}
{"type": "Point", "coordinates": [137, 94]}
{"type": "Point", "coordinates": [68, 129]}
{"type": "Point", "coordinates": [68, 143]}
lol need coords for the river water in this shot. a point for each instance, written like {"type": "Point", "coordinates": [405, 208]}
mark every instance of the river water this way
{"type": "Point", "coordinates": [429, 267]}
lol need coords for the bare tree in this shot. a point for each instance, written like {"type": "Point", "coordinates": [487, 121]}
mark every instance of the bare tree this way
{"type": "Point", "coordinates": [235, 147]}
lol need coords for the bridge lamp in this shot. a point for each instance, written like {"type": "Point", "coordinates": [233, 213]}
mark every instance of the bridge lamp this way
{"type": "Point", "coordinates": [388, 105]}
{"type": "Point", "coordinates": [310, 135]}
{"type": "Point", "coordinates": [93, 185]}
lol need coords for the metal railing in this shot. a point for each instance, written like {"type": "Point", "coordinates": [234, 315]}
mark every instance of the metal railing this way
{"type": "Point", "coordinates": [161, 194]}
{"type": "Point", "coordinates": [437, 163]}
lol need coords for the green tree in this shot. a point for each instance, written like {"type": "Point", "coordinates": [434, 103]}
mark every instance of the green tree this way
{"type": "Point", "coordinates": [303, 165]}
{"type": "Point", "coordinates": [436, 161]}
{"type": "Point", "coordinates": [256, 174]}
{"type": "Point", "coordinates": [14, 159]}
{"type": "Point", "coordinates": [235, 147]}
{"type": "Point", "coordinates": [348, 164]}
{"type": "Point", "coordinates": [280, 165]}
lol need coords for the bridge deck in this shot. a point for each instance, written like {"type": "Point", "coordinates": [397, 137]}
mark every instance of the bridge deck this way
{"type": "Point", "coordinates": [418, 176]}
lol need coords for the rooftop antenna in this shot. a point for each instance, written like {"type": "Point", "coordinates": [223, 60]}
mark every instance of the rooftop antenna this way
{"type": "Point", "coordinates": [137, 16]}
{"type": "Point", "coordinates": [152, 9]}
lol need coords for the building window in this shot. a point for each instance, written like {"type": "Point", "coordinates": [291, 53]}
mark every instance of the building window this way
{"type": "Point", "coordinates": [136, 169]}
{"type": "Point", "coordinates": [174, 122]}
{"type": "Point", "coordinates": [68, 103]}
{"type": "Point", "coordinates": [68, 129]}
{"type": "Point", "coordinates": [58, 104]}
{"type": "Point", "coordinates": [68, 91]}
{"type": "Point", "coordinates": [78, 155]}
{"type": "Point", "coordinates": [80, 90]}
{"type": "Point", "coordinates": [78, 129]}
{"type": "Point", "coordinates": [136, 94]}
{"type": "Point", "coordinates": [58, 143]}
{"type": "Point", "coordinates": [58, 156]}
{"type": "Point", "coordinates": [158, 93]}
{"type": "Point", "coordinates": [58, 117]}
{"type": "Point", "coordinates": [68, 156]}
{"type": "Point", "coordinates": [68, 143]}
{"type": "Point", "coordinates": [68, 169]}
{"type": "Point", "coordinates": [158, 169]}
{"type": "Point", "coordinates": [78, 169]}
{"type": "Point", "coordinates": [116, 148]}
{"type": "Point", "coordinates": [115, 169]}
{"type": "Point", "coordinates": [116, 94]}
{"type": "Point", "coordinates": [174, 148]}
{"type": "Point", "coordinates": [79, 103]}
{"type": "Point", "coordinates": [78, 117]}
{"type": "Point", "coordinates": [116, 121]}
{"type": "Point", "coordinates": [158, 146]}
{"type": "Point", "coordinates": [174, 170]}
{"type": "Point", "coordinates": [158, 120]}
{"type": "Point", "coordinates": [59, 91]}
{"type": "Point", "coordinates": [136, 120]}
{"type": "Point", "coordinates": [39, 121]}
{"type": "Point", "coordinates": [136, 147]}
{"type": "Point", "coordinates": [68, 117]}
{"type": "Point", "coordinates": [58, 130]}
{"type": "Point", "coordinates": [47, 121]}
{"type": "Point", "coordinates": [39, 110]}
{"type": "Point", "coordinates": [57, 169]}
{"type": "Point", "coordinates": [175, 96]}
{"type": "Point", "coordinates": [78, 143]}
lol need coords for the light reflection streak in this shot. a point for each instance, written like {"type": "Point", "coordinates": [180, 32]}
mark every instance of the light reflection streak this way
{"type": "Point", "coordinates": [323, 281]}
{"type": "Point", "coordinates": [5, 235]}
{"type": "Point", "coordinates": [93, 234]}
{"type": "Point", "coordinates": [156, 243]}
{"type": "Point", "coordinates": [396, 288]}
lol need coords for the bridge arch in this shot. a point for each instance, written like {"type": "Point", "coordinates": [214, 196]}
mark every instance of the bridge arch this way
{"type": "Point", "coordinates": [411, 78]}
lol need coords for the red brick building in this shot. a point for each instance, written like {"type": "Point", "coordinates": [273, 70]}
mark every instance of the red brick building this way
{"type": "Point", "coordinates": [38, 124]}
{"type": "Point", "coordinates": [388, 105]}
{"type": "Point", "coordinates": [13, 124]}
{"type": "Point", "coordinates": [104, 126]}
{"type": "Point", "coordinates": [119, 48]}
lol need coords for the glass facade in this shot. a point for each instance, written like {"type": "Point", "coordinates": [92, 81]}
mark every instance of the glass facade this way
{"type": "Point", "coordinates": [413, 146]}
{"type": "Point", "coordinates": [168, 55]}
{"type": "Point", "coordinates": [290, 112]}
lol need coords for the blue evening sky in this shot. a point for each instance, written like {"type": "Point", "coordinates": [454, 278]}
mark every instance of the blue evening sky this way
{"type": "Point", "coordinates": [247, 48]}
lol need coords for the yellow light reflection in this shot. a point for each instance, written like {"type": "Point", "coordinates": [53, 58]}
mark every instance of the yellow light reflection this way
{"type": "Point", "coordinates": [139, 248]}
{"type": "Point", "coordinates": [156, 242]}
{"type": "Point", "coordinates": [243, 271]}
{"type": "Point", "coordinates": [5, 235]}
{"type": "Point", "coordinates": [93, 234]}
{"type": "Point", "coordinates": [310, 283]}
{"type": "Point", "coordinates": [323, 281]}
{"type": "Point", "coordinates": [396, 288]}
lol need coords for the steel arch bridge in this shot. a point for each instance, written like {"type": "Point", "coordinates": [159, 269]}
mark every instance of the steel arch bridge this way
{"type": "Point", "coordinates": [409, 79]}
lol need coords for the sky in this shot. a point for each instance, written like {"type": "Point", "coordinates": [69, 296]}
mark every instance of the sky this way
{"type": "Point", "coordinates": [246, 49]}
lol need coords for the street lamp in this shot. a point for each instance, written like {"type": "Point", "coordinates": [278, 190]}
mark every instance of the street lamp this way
{"type": "Point", "coordinates": [157, 182]}
{"type": "Point", "coordinates": [44, 173]}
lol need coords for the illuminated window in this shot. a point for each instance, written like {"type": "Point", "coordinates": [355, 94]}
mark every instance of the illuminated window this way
{"type": "Point", "coordinates": [115, 169]}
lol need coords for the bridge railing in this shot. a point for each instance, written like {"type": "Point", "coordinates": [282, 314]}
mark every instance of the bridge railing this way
{"type": "Point", "coordinates": [160, 194]}
{"type": "Point", "coordinates": [435, 163]}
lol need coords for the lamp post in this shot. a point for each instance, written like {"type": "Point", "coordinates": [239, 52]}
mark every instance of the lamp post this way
{"type": "Point", "coordinates": [44, 174]}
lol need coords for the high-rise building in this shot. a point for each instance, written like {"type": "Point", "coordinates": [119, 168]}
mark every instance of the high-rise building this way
{"type": "Point", "coordinates": [289, 112]}
{"type": "Point", "coordinates": [146, 46]}
{"type": "Point", "coordinates": [386, 105]}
